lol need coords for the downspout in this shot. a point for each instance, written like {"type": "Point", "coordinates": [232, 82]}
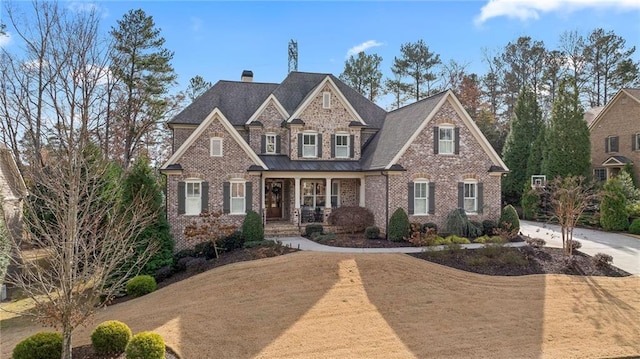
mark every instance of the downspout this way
{"type": "Point", "coordinates": [386, 207]}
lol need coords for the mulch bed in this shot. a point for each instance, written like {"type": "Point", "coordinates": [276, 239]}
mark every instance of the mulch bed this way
{"type": "Point", "coordinates": [86, 352]}
{"type": "Point", "coordinates": [358, 240]}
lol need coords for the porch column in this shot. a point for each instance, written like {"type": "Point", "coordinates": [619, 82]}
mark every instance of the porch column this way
{"type": "Point", "coordinates": [327, 193]}
{"type": "Point", "coordinates": [296, 209]}
{"type": "Point", "coordinates": [263, 210]}
{"type": "Point", "coordinates": [362, 182]}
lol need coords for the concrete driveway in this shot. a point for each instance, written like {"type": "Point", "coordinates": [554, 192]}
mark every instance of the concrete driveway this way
{"type": "Point", "coordinates": [625, 249]}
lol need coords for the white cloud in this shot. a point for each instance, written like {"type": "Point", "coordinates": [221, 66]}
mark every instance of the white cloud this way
{"type": "Point", "coordinates": [362, 47]}
{"type": "Point", "coordinates": [80, 6]}
{"type": "Point", "coordinates": [5, 39]}
{"type": "Point", "coordinates": [531, 9]}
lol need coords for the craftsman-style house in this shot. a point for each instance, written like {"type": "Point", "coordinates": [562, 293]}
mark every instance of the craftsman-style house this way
{"type": "Point", "coordinates": [615, 135]}
{"type": "Point", "coordinates": [294, 151]}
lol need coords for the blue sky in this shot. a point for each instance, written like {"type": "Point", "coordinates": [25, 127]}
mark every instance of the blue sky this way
{"type": "Point", "coordinates": [218, 40]}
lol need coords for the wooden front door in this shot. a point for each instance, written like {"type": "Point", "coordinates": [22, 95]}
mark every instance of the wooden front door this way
{"type": "Point", "coordinates": [273, 198]}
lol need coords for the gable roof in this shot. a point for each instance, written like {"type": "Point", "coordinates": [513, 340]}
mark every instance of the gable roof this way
{"type": "Point", "coordinates": [633, 93]}
{"type": "Point", "coordinates": [172, 162]}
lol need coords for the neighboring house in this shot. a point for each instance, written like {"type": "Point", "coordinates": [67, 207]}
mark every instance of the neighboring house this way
{"type": "Point", "coordinates": [615, 135]}
{"type": "Point", "coordinates": [294, 151]}
{"type": "Point", "coordinates": [12, 194]}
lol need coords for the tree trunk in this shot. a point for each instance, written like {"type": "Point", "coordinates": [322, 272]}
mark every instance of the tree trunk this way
{"type": "Point", "coordinates": [66, 342]}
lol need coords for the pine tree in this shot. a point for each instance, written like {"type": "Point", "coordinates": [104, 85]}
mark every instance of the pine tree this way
{"type": "Point", "coordinates": [525, 127]}
{"type": "Point", "coordinates": [417, 63]}
{"type": "Point", "coordinates": [568, 148]}
{"type": "Point", "coordinates": [363, 74]}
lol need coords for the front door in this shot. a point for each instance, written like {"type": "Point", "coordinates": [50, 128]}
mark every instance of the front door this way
{"type": "Point", "coordinates": [273, 198]}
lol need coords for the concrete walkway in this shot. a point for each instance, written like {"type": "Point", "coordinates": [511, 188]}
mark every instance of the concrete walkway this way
{"type": "Point", "coordinates": [625, 249]}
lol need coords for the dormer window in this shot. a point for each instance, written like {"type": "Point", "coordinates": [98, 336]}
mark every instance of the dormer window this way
{"type": "Point", "coordinates": [309, 145]}
{"type": "Point", "coordinates": [326, 100]}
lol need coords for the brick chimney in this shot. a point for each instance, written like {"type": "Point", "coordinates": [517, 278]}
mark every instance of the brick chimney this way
{"type": "Point", "coordinates": [247, 76]}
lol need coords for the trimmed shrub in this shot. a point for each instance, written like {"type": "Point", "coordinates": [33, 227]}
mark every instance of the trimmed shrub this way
{"type": "Point", "coordinates": [233, 241]}
{"type": "Point", "coordinates": [353, 217]}
{"type": "Point", "coordinates": [489, 239]}
{"type": "Point", "coordinates": [613, 208]}
{"type": "Point", "coordinates": [181, 264]}
{"type": "Point", "coordinates": [141, 285]}
{"type": "Point", "coordinates": [399, 226]}
{"type": "Point", "coordinates": [196, 265]}
{"type": "Point", "coordinates": [602, 260]}
{"type": "Point", "coordinates": [372, 232]}
{"type": "Point", "coordinates": [111, 336]}
{"type": "Point", "coordinates": [205, 249]}
{"type": "Point", "coordinates": [634, 228]}
{"type": "Point", "coordinates": [264, 243]}
{"type": "Point", "coordinates": [509, 219]}
{"type": "Point", "coordinates": [457, 239]}
{"type": "Point", "coordinates": [252, 228]}
{"type": "Point", "coordinates": [428, 225]}
{"type": "Point", "coordinates": [163, 273]}
{"type": "Point", "coordinates": [459, 224]}
{"type": "Point", "coordinates": [43, 345]}
{"type": "Point", "coordinates": [488, 226]}
{"type": "Point", "coordinates": [146, 345]}
{"type": "Point", "coordinates": [536, 243]}
{"type": "Point", "coordinates": [323, 237]}
{"type": "Point", "coordinates": [312, 228]}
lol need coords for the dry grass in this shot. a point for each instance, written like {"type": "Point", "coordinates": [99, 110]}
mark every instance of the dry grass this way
{"type": "Point", "coordinates": [323, 305]}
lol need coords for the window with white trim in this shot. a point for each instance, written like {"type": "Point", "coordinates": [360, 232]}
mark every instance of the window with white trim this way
{"type": "Point", "coordinates": [326, 100]}
{"type": "Point", "coordinates": [420, 197]}
{"type": "Point", "coordinates": [600, 174]}
{"type": "Point", "coordinates": [335, 194]}
{"type": "Point", "coordinates": [216, 146]}
{"type": "Point", "coordinates": [342, 145]}
{"type": "Point", "coordinates": [309, 145]}
{"type": "Point", "coordinates": [471, 197]}
{"type": "Point", "coordinates": [611, 144]}
{"type": "Point", "coordinates": [193, 197]}
{"type": "Point", "coordinates": [270, 143]}
{"type": "Point", "coordinates": [237, 203]}
{"type": "Point", "coordinates": [445, 140]}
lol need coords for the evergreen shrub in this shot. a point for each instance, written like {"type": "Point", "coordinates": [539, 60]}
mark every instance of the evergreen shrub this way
{"type": "Point", "coordinates": [111, 336]}
{"type": "Point", "coordinates": [140, 285]}
{"type": "Point", "coordinates": [252, 228]}
{"type": "Point", "coordinates": [399, 226]}
{"type": "Point", "coordinates": [43, 345]}
{"type": "Point", "coordinates": [146, 345]}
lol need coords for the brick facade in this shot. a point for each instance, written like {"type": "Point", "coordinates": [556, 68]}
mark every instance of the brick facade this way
{"type": "Point", "coordinates": [621, 118]}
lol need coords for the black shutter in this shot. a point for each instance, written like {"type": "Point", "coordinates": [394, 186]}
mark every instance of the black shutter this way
{"type": "Point", "coordinates": [606, 145]}
{"type": "Point", "coordinates": [300, 145]}
{"type": "Point", "coordinates": [432, 198]}
{"type": "Point", "coordinates": [204, 198]}
{"type": "Point", "coordinates": [263, 144]}
{"type": "Point", "coordinates": [226, 197]}
{"type": "Point", "coordinates": [248, 196]}
{"type": "Point", "coordinates": [333, 146]}
{"type": "Point", "coordinates": [410, 190]}
{"type": "Point", "coordinates": [456, 148]}
{"type": "Point", "coordinates": [480, 195]}
{"type": "Point", "coordinates": [352, 145]}
{"type": "Point", "coordinates": [460, 194]}
{"type": "Point", "coordinates": [633, 142]}
{"type": "Point", "coordinates": [436, 131]}
{"type": "Point", "coordinates": [319, 144]}
{"type": "Point", "coordinates": [278, 144]}
{"type": "Point", "coordinates": [614, 144]}
{"type": "Point", "coordinates": [181, 198]}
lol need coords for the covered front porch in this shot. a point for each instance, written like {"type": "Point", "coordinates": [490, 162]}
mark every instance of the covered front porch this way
{"type": "Point", "coordinates": [300, 198]}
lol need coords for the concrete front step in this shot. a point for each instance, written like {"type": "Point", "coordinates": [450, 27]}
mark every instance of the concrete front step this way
{"type": "Point", "coordinates": [281, 230]}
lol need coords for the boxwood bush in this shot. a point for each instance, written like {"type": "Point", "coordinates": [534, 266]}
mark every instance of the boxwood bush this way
{"type": "Point", "coordinates": [372, 232]}
{"type": "Point", "coordinates": [111, 336]}
{"type": "Point", "coordinates": [634, 228]}
{"type": "Point", "coordinates": [252, 228]}
{"type": "Point", "coordinates": [399, 226]}
{"type": "Point", "coordinates": [43, 345]}
{"type": "Point", "coordinates": [141, 285]}
{"type": "Point", "coordinates": [146, 345]}
{"type": "Point", "coordinates": [312, 228]}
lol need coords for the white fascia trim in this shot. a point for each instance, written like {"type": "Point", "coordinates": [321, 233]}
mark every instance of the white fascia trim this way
{"type": "Point", "coordinates": [264, 105]}
{"type": "Point", "coordinates": [317, 91]}
{"type": "Point", "coordinates": [475, 131]}
{"type": "Point", "coordinates": [424, 123]}
{"type": "Point", "coordinates": [182, 126]}
{"type": "Point", "coordinates": [314, 175]}
{"type": "Point", "coordinates": [202, 127]}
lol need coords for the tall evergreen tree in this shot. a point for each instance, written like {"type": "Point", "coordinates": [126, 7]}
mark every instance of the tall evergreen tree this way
{"type": "Point", "coordinates": [142, 65]}
{"type": "Point", "coordinates": [417, 63]}
{"type": "Point", "coordinates": [363, 74]}
{"type": "Point", "coordinates": [525, 126]}
{"type": "Point", "coordinates": [197, 86]}
{"type": "Point", "coordinates": [568, 148]}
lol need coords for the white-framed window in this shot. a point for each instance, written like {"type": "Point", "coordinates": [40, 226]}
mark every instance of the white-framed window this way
{"type": "Point", "coordinates": [335, 194]}
{"type": "Point", "coordinates": [270, 143]}
{"type": "Point", "coordinates": [420, 197]}
{"type": "Point", "coordinates": [636, 139]}
{"type": "Point", "coordinates": [309, 145]}
{"type": "Point", "coordinates": [237, 203]}
{"type": "Point", "coordinates": [342, 145]}
{"type": "Point", "coordinates": [193, 198]}
{"type": "Point", "coordinates": [313, 193]}
{"type": "Point", "coordinates": [326, 100]}
{"type": "Point", "coordinates": [471, 197]}
{"type": "Point", "coordinates": [600, 174]}
{"type": "Point", "coordinates": [612, 144]}
{"type": "Point", "coordinates": [216, 146]}
{"type": "Point", "coordinates": [445, 140]}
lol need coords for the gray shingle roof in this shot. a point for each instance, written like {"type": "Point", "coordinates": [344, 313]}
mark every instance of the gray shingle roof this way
{"type": "Point", "coordinates": [284, 163]}
{"type": "Point", "coordinates": [398, 127]}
